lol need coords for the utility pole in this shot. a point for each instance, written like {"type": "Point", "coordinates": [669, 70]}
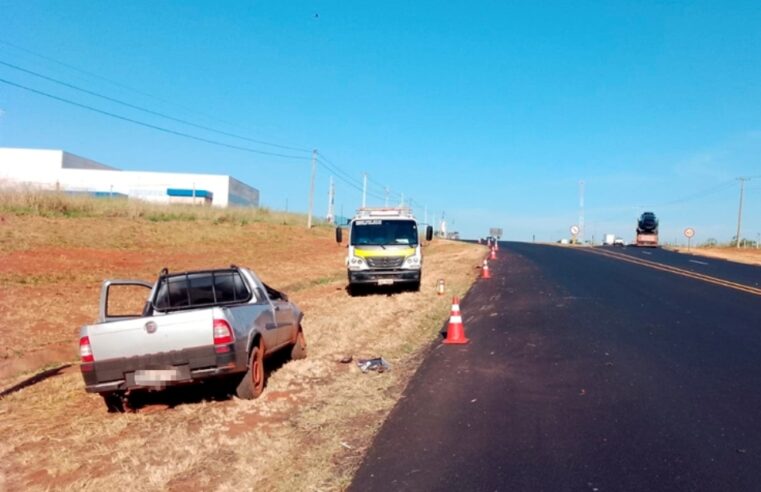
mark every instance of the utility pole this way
{"type": "Point", "coordinates": [331, 198]}
{"type": "Point", "coordinates": [740, 210]}
{"type": "Point", "coordinates": [581, 211]}
{"type": "Point", "coordinates": [311, 188]}
{"type": "Point", "coordinates": [364, 190]}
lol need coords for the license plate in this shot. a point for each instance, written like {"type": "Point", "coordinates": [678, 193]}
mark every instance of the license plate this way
{"type": "Point", "coordinates": [154, 377]}
{"type": "Point", "coordinates": [386, 281]}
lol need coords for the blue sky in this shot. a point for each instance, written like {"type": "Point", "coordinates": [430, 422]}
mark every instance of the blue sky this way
{"type": "Point", "coordinates": [489, 111]}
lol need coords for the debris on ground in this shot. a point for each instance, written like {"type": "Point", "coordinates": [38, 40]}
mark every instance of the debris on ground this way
{"type": "Point", "coordinates": [376, 364]}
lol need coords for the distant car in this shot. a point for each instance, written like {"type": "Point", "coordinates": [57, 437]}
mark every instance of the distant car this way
{"type": "Point", "coordinates": [618, 242]}
{"type": "Point", "coordinates": [564, 241]}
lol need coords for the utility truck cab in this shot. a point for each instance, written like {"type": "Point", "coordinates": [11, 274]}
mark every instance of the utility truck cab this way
{"type": "Point", "coordinates": [384, 248]}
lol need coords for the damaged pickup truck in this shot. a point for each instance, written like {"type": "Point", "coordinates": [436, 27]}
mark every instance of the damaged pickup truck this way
{"type": "Point", "coordinates": [194, 326]}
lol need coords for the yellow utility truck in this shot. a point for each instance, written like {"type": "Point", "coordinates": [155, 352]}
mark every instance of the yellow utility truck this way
{"type": "Point", "coordinates": [384, 248]}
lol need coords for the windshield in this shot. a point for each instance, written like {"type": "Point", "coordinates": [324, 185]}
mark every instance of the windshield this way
{"type": "Point", "coordinates": [384, 232]}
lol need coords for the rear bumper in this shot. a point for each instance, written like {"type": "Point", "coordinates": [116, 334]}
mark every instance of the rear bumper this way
{"type": "Point", "coordinates": [190, 365]}
{"type": "Point", "coordinates": [647, 240]}
{"type": "Point", "coordinates": [373, 276]}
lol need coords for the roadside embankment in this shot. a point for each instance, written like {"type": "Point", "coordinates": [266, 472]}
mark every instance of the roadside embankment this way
{"type": "Point", "coordinates": [309, 429]}
{"type": "Point", "coordinates": [750, 256]}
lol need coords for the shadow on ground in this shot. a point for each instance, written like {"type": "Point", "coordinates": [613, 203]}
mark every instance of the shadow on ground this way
{"type": "Point", "coordinates": [37, 378]}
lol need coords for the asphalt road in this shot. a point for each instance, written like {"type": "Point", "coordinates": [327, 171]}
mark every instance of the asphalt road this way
{"type": "Point", "coordinates": [584, 372]}
{"type": "Point", "coordinates": [727, 270]}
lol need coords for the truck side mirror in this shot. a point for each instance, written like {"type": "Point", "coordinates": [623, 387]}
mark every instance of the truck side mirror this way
{"type": "Point", "coordinates": [429, 233]}
{"type": "Point", "coordinates": [339, 235]}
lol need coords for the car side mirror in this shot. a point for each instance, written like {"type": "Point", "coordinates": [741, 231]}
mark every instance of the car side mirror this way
{"type": "Point", "coordinates": [339, 235]}
{"type": "Point", "coordinates": [429, 233]}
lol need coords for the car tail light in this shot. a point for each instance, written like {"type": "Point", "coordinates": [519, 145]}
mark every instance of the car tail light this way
{"type": "Point", "coordinates": [85, 350]}
{"type": "Point", "coordinates": [223, 336]}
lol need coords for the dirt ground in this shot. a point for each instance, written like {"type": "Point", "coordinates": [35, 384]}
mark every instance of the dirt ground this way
{"type": "Point", "coordinates": [751, 256]}
{"type": "Point", "coordinates": [308, 431]}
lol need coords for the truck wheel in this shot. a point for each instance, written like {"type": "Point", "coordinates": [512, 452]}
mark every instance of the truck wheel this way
{"type": "Point", "coordinates": [114, 402]}
{"type": "Point", "coordinates": [299, 349]}
{"type": "Point", "coordinates": [252, 384]}
{"type": "Point", "coordinates": [355, 290]}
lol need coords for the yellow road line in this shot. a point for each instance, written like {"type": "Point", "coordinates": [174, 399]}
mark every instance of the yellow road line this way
{"type": "Point", "coordinates": [675, 270]}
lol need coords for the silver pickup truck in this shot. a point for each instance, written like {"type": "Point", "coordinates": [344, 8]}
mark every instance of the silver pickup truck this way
{"type": "Point", "coordinates": [194, 325]}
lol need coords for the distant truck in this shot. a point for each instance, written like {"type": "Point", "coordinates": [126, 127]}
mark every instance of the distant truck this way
{"type": "Point", "coordinates": [384, 248]}
{"type": "Point", "coordinates": [194, 326]}
{"type": "Point", "coordinates": [647, 230]}
{"type": "Point", "coordinates": [609, 239]}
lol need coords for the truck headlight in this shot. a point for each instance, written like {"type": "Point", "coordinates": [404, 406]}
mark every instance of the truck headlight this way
{"type": "Point", "coordinates": [357, 263]}
{"type": "Point", "coordinates": [411, 262]}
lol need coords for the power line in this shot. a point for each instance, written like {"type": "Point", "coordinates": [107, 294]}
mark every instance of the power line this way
{"type": "Point", "coordinates": [324, 161]}
{"type": "Point", "coordinates": [339, 173]}
{"type": "Point", "coordinates": [692, 196]}
{"type": "Point", "coordinates": [113, 82]}
{"type": "Point", "coordinates": [353, 184]}
{"type": "Point", "coordinates": [154, 127]}
{"type": "Point", "coordinates": [701, 194]}
{"type": "Point", "coordinates": [344, 176]}
{"type": "Point", "coordinates": [149, 111]}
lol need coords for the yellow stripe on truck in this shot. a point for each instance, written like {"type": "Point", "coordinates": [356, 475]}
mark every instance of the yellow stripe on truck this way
{"type": "Point", "coordinates": [365, 253]}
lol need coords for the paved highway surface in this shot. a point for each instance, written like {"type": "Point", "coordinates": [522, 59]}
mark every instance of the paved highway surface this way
{"type": "Point", "coordinates": [584, 372]}
{"type": "Point", "coordinates": [727, 270]}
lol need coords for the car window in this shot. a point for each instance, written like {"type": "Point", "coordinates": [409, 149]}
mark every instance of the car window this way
{"type": "Point", "coordinates": [201, 289]}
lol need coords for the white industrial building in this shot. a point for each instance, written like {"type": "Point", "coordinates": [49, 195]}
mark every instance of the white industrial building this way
{"type": "Point", "coordinates": [59, 170]}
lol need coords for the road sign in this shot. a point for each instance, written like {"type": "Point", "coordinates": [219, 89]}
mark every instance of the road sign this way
{"type": "Point", "coordinates": [574, 229]}
{"type": "Point", "coordinates": [688, 233]}
{"type": "Point", "coordinates": [495, 232]}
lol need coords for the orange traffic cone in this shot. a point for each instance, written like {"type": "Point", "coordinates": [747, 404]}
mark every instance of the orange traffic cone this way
{"type": "Point", "coordinates": [485, 270]}
{"type": "Point", "coordinates": [455, 329]}
{"type": "Point", "coordinates": [493, 255]}
{"type": "Point", "coordinates": [496, 245]}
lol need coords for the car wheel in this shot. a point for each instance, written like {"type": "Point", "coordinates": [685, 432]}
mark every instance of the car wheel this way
{"type": "Point", "coordinates": [415, 287]}
{"type": "Point", "coordinates": [299, 349]}
{"type": "Point", "coordinates": [252, 384]}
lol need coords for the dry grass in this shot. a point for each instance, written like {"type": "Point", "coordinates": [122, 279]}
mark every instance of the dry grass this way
{"type": "Point", "coordinates": [309, 430]}
{"type": "Point", "coordinates": [41, 203]}
{"type": "Point", "coordinates": [750, 256]}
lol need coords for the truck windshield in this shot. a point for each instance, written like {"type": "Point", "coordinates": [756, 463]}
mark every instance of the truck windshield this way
{"type": "Point", "coordinates": [384, 232]}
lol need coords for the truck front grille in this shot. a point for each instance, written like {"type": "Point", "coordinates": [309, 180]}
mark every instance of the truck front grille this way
{"type": "Point", "coordinates": [385, 261]}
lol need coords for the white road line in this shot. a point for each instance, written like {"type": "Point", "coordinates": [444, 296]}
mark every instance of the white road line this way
{"type": "Point", "coordinates": [698, 262]}
{"type": "Point", "coordinates": [646, 253]}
